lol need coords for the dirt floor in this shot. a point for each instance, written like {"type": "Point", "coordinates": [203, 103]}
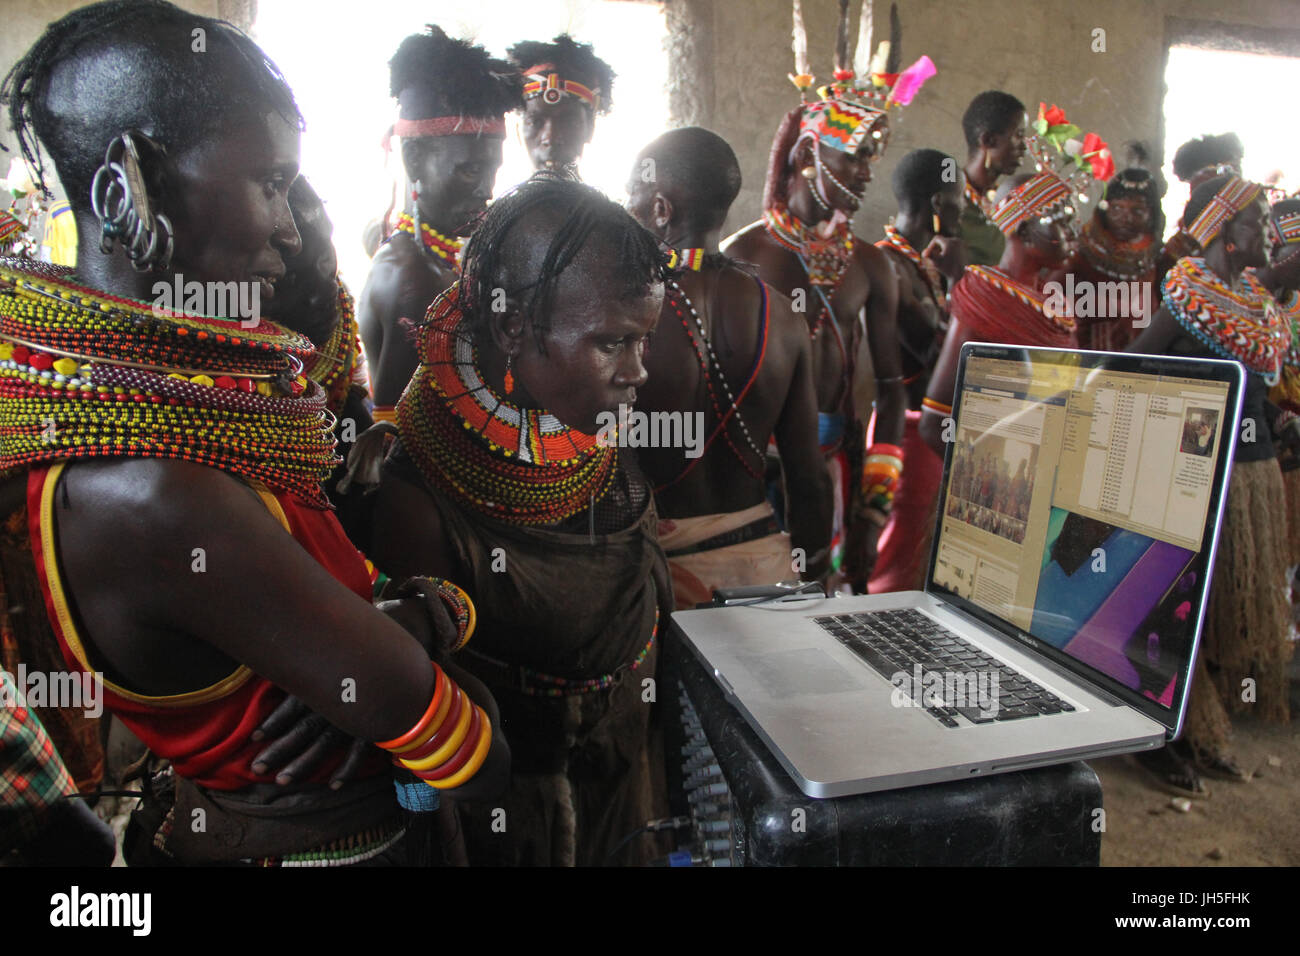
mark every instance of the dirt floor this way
{"type": "Point", "coordinates": [1238, 824]}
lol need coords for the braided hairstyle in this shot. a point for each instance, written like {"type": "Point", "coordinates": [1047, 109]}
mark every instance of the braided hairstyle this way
{"type": "Point", "coordinates": [573, 216]}
{"type": "Point", "coordinates": [572, 60]}
{"type": "Point", "coordinates": [776, 187]}
{"type": "Point", "coordinates": [145, 64]}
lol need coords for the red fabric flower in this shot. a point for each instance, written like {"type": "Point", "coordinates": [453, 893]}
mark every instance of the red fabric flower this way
{"type": "Point", "coordinates": [1098, 154]}
{"type": "Point", "coordinates": [1054, 117]}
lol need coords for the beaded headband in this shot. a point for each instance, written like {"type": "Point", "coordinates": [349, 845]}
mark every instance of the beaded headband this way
{"type": "Point", "coordinates": [842, 125]}
{"type": "Point", "coordinates": [1235, 196]}
{"type": "Point", "coordinates": [1286, 227]}
{"type": "Point", "coordinates": [1045, 197]}
{"type": "Point", "coordinates": [545, 83]}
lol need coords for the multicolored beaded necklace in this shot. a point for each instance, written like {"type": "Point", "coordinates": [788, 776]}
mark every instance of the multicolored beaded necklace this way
{"type": "Point", "coordinates": [337, 364]}
{"type": "Point", "coordinates": [1247, 326]}
{"type": "Point", "coordinates": [84, 374]}
{"type": "Point", "coordinates": [1288, 388]}
{"type": "Point", "coordinates": [445, 249]}
{"type": "Point", "coordinates": [519, 465]}
{"type": "Point", "coordinates": [1109, 256]}
{"type": "Point", "coordinates": [929, 271]}
{"type": "Point", "coordinates": [825, 259]}
{"type": "Point", "coordinates": [1026, 294]}
{"type": "Point", "coordinates": [983, 203]}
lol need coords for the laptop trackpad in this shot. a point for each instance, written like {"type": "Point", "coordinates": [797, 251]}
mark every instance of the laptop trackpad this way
{"type": "Point", "coordinates": [795, 673]}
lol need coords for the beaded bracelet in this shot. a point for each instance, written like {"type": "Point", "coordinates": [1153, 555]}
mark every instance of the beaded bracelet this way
{"type": "Point", "coordinates": [462, 609]}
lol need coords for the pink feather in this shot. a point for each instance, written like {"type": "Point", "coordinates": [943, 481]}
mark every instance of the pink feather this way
{"type": "Point", "coordinates": [911, 80]}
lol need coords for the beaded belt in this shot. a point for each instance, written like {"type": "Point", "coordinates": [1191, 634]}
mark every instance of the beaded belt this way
{"type": "Point", "coordinates": [761, 528]}
{"type": "Point", "coordinates": [536, 684]}
{"type": "Point", "coordinates": [344, 851]}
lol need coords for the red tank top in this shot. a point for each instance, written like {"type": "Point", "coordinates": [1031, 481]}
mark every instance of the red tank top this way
{"type": "Point", "coordinates": [206, 734]}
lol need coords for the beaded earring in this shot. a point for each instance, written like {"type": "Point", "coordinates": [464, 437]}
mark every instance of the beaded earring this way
{"type": "Point", "coordinates": [120, 201]}
{"type": "Point", "coordinates": [510, 376]}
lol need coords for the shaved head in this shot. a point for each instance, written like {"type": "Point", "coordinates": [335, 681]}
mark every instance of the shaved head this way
{"type": "Point", "coordinates": [696, 170]}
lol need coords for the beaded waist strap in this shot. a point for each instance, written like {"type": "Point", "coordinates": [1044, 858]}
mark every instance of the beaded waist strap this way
{"type": "Point", "coordinates": [534, 683]}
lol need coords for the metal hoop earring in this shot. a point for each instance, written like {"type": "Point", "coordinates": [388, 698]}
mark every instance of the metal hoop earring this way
{"type": "Point", "coordinates": [120, 201]}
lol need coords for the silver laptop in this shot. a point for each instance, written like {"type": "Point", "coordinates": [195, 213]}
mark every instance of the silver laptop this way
{"type": "Point", "coordinates": [1078, 518]}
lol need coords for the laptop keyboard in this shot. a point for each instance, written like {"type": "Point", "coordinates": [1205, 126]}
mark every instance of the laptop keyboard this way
{"type": "Point", "coordinates": [898, 642]}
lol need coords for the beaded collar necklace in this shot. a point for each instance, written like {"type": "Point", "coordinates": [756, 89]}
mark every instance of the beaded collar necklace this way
{"type": "Point", "coordinates": [519, 465]}
{"type": "Point", "coordinates": [84, 374]}
{"type": "Point", "coordinates": [335, 364]}
{"type": "Point", "coordinates": [1026, 294]}
{"type": "Point", "coordinates": [445, 249]}
{"type": "Point", "coordinates": [825, 260]}
{"type": "Point", "coordinates": [1109, 256]}
{"type": "Point", "coordinates": [1244, 325]}
{"type": "Point", "coordinates": [929, 271]}
{"type": "Point", "coordinates": [983, 203]}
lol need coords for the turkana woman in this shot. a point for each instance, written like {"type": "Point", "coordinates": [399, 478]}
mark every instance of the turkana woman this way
{"type": "Point", "coordinates": [1219, 305]}
{"type": "Point", "coordinates": [507, 477]}
{"type": "Point", "coordinates": [1119, 245]}
{"type": "Point", "coordinates": [161, 468]}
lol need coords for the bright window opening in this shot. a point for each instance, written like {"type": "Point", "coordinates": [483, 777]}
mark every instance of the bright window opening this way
{"type": "Point", "coordinates": [1219, 91]}
{"type": "Point", "coordinates": [335, 55]}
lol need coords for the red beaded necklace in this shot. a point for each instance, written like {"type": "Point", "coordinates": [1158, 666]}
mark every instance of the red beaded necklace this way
{"type": "Point", "coordinates": [929, 271]}
{"type": "Point", "coordinates": [824, 259]}
{"type": "Point", "coordinates": [520, 465]}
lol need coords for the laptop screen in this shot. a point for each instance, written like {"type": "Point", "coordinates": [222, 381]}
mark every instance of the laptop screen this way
{"type": "Point", "coordinates": [1080, 506]}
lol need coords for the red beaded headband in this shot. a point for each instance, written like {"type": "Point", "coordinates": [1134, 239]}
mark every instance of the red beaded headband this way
{"type": "Point", "coordinates": [1235, 196]}
{"type": "Point", "coordinates": [543, 81]}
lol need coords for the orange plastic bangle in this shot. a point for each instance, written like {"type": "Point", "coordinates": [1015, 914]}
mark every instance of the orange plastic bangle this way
{"type": "Point", "coordinates": [439, 756]}
{"type": "Point", "coordinates": [443, 721]}
{"type": "Point", "coordinates": [475, 762]}
{"type": "Point", "coordinates": [415, 734]}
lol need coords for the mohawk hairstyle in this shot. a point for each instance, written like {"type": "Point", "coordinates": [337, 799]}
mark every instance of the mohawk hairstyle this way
{"type": "Point", "coordinates": [433, 73]}
{"type": "Point", "coordinates": [1211, 150]}
{"type": "Point", "coordinates": [576, 216]}
{"type": "Point", "coordinates": [775, 191]}
{"type": "Point", "coordinates": [109, 67]}
{"type": "Point", "coordinates": [572, 60]}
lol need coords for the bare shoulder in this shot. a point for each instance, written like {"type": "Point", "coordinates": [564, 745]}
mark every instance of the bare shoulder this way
{"type": "Point", "coordinates": [873, 260]}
